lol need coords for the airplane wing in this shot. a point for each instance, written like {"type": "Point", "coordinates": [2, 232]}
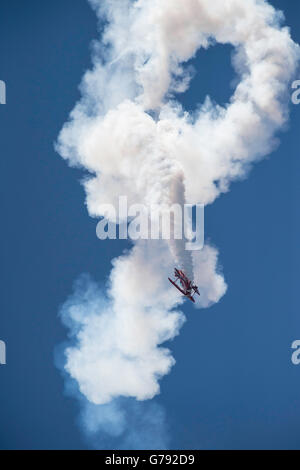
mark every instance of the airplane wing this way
{"type": "Point", "coordinates": [177, 287]}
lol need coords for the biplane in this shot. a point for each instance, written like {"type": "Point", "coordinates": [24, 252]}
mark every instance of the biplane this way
{"type": "Point", "coordinates": [185, 286]}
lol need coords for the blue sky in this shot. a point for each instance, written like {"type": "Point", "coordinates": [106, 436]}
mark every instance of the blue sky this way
{"type": "Point", "coordinates": [233, 385]}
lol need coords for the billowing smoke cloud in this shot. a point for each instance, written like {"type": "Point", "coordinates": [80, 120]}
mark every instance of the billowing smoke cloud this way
{"type": "Point", "coordinates": [135, 139]}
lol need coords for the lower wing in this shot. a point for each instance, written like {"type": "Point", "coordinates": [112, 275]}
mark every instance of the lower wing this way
{"type": "Point", "coordinates": [177, 287]}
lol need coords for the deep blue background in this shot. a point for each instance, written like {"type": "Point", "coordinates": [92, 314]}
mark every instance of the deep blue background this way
{"type": "Point", "coordinates": [234, 385]}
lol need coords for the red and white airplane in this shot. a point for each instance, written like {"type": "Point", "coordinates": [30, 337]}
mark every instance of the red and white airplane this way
{"type": "Point", "coordinates": [187, 287]}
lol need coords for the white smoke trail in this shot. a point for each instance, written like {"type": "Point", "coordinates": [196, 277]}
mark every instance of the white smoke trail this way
{"type": "Point", "coordinates": [136, 140]}
{"type": "Point", "coordinates": [131, 424]}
